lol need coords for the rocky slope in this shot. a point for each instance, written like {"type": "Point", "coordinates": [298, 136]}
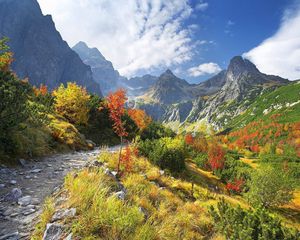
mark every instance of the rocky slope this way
{"type": "Point", "coordinates": [103, 70]}
{"type": "Point", "coordinates": [39, 50]}
{"type": "Point", "coordinates": [216, 100]}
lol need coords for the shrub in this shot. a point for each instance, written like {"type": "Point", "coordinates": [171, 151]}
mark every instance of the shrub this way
{"type": "Point", "coordinates": [201, 160]}
{"type": "Point", "coordinates": [166, 153]}
{"type": "Point", "coordinates": [13, 108]}
{"type": "Point", "coordinates": [156, 130]}
{"type": "Point", "coordinates": [236, 223]}
{"type": "Point", "coordinates": [270, 187]}
{"type": "Point", "coordinates": [72, 103]}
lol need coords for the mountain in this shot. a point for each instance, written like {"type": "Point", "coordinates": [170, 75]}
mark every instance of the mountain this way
{"type": "Point", "coordinates": [215, 101]}
{"type": "Point", "coordinates": [109, 78]}
{"type": "Point", "coordinates": [138, 86]}
{"type": "Point", "coordinates": [39, 50]}
{"type": "Point", "coordinates": [103, 70]}
{"type": "Point", "coordinates": [243, 83]}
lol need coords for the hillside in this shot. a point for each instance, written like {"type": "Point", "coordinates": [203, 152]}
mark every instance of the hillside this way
{"type": "Point", "coordinates": [284, 101]}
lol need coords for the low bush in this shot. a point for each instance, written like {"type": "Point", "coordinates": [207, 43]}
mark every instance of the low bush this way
{"type": "Point", "coordinates": [156, 130]}
{"type": "Point", "coordinates": [257, 224]}
{"type": "Point", "coordinates": [201, 160]}
{"type": "Point", "coordinates": [167, 153]}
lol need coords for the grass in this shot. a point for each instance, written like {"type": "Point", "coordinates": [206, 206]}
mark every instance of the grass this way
{"type": "Point", "coordinates": [48, 211]}
{"type": "Point", "coordinates": [156, 206]}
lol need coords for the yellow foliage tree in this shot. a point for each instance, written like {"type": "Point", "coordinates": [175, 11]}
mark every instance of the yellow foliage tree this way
{"type": "Point", "coordinates": [72, 103]}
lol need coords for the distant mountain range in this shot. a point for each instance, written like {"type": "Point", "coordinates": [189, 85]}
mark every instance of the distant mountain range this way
{"type": "Point", "coordinates": [215, 101]}
{"type": "Point", "coordinates": [41, 55]}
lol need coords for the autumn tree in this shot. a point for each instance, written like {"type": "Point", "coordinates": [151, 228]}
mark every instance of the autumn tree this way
{"type": "Point", "coordinates": [216, 156]}
{"type": "Point", "coordinates": [140, 118]}
{"type": "Point", "coordinates": [5, 55]}
{"type": "Point", "coordinates": [115, 102]}
{"type": "Point", "coordinates": [72, 103]}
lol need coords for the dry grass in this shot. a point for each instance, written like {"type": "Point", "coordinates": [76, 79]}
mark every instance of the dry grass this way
{"type": "Point", "coordinates": [48, 211]}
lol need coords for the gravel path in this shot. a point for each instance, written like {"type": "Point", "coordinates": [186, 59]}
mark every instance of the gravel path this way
{"type": "Point", "coordinates": [24, 188]}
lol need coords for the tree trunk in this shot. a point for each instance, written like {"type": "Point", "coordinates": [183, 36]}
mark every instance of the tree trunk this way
{"type": "Point", "coordinates": [120, 152]}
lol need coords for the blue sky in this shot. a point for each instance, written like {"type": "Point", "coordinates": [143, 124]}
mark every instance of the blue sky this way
{"type": "Point", "coordinates": [193, 38]}
{"type": "Point", "coordinates": [234, 27]}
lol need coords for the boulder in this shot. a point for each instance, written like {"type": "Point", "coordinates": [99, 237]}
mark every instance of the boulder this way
{"type": "Point", "coordinates": [53, 232]}
{"type": "Point", "coordinates": [62, 214]}
{"type": "Point", "coordinates": [14, 195]}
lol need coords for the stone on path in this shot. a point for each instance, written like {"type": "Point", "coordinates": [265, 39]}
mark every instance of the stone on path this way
{"type": "Point", "coordinates": [10, 236]}
{"type": "Point", "coordinates": [24, 201]}
{"type": "Point", "coordinates": [14, 195]}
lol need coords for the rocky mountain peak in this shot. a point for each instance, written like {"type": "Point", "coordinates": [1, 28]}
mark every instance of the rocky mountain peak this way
{"type": "Point", "coordinates": [84, 51]}
{"type": "Point", "coordinates": [239, 65]}
{"type": "Point", "coordinates": [168, 71]}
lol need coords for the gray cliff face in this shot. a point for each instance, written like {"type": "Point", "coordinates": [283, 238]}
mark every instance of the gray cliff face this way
{"type": "Point", "coordinates": [39, 51]}
{"type": "Point", "coordinates": [103, 70]}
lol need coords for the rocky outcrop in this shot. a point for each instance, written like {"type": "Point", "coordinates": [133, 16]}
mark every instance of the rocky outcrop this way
{"type": "Point", "coordinates": [40, 53]}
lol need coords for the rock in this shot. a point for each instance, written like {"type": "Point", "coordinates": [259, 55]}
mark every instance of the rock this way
{"type": "Point", "coordinates": [7, 212]}
{"type": "Point", "coordinates": [144, 212]}
{"type": "Point", "coordinates": [49, 165]}
{"type": "Point", "coordinates": [14, 195]}
{"type": "Point", "coordinates": [35, 201]}
{"type": "Point", "coordinates": [27, 177]}
{"type": "Point", "coordinates": [14, 214]}
{"type": "Point", "coordinates": [114, 173]}
{"type": "Point", "coordinates": [94, 163]}
{"type": "Point", "coordinates": [28, 212]}
{"type": "Point", "coordinates": [2, 185]}
{"type": "Point", "coordinates": [62, 214]}
{"type": "Point", "coordinates": [121, 195]}
{"type": "Point", "coordinates": [24, 201]}
{"type": "Point", "coordinates": [37, 170]}
{"type": "Point", "coordinates": [23, 162]}
{"type": "Point", "coordinates": [13, 182]}
{"type": "Point", "coordinates": [53, 232]}
{"type": "Point", "coordinates": [10, 236]}
{"type": "Point", "coordinates": [69, 237]}
{"type": "Point", "coordinates": [91, 145]}
{"type": "Point", "coordinates": [161, 172]}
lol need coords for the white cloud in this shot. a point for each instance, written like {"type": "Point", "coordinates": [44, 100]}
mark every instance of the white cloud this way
{"type": "Point", "coordinates": [202, 6]}
{"type": "Point", "coordinates": [204, 69]}
{"type": "Point", "coordinates": [134, 35]}
{"type": "Point", "coordinates": [280, 54]}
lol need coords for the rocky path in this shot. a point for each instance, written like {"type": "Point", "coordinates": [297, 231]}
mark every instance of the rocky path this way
{"type": "Point", "coordinates": [24, 188]}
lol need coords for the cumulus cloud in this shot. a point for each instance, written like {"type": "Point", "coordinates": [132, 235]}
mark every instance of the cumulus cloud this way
{"type": "Point", "coordinates": [202, 6]}
{"type": "Point", "coordinates": [280, 54]}
{"type": "Point", "coordinates": [135, 35]}
{"type": "Point", "coordinates": [204, 69]}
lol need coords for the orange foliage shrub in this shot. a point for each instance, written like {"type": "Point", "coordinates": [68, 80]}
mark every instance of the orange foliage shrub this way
{"type": "Point", "coordinates": [216, 156]}
{"type": "Point", "coordinates": [141, 119]}
{"type": "Point", "coordinates": [189, 140]}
